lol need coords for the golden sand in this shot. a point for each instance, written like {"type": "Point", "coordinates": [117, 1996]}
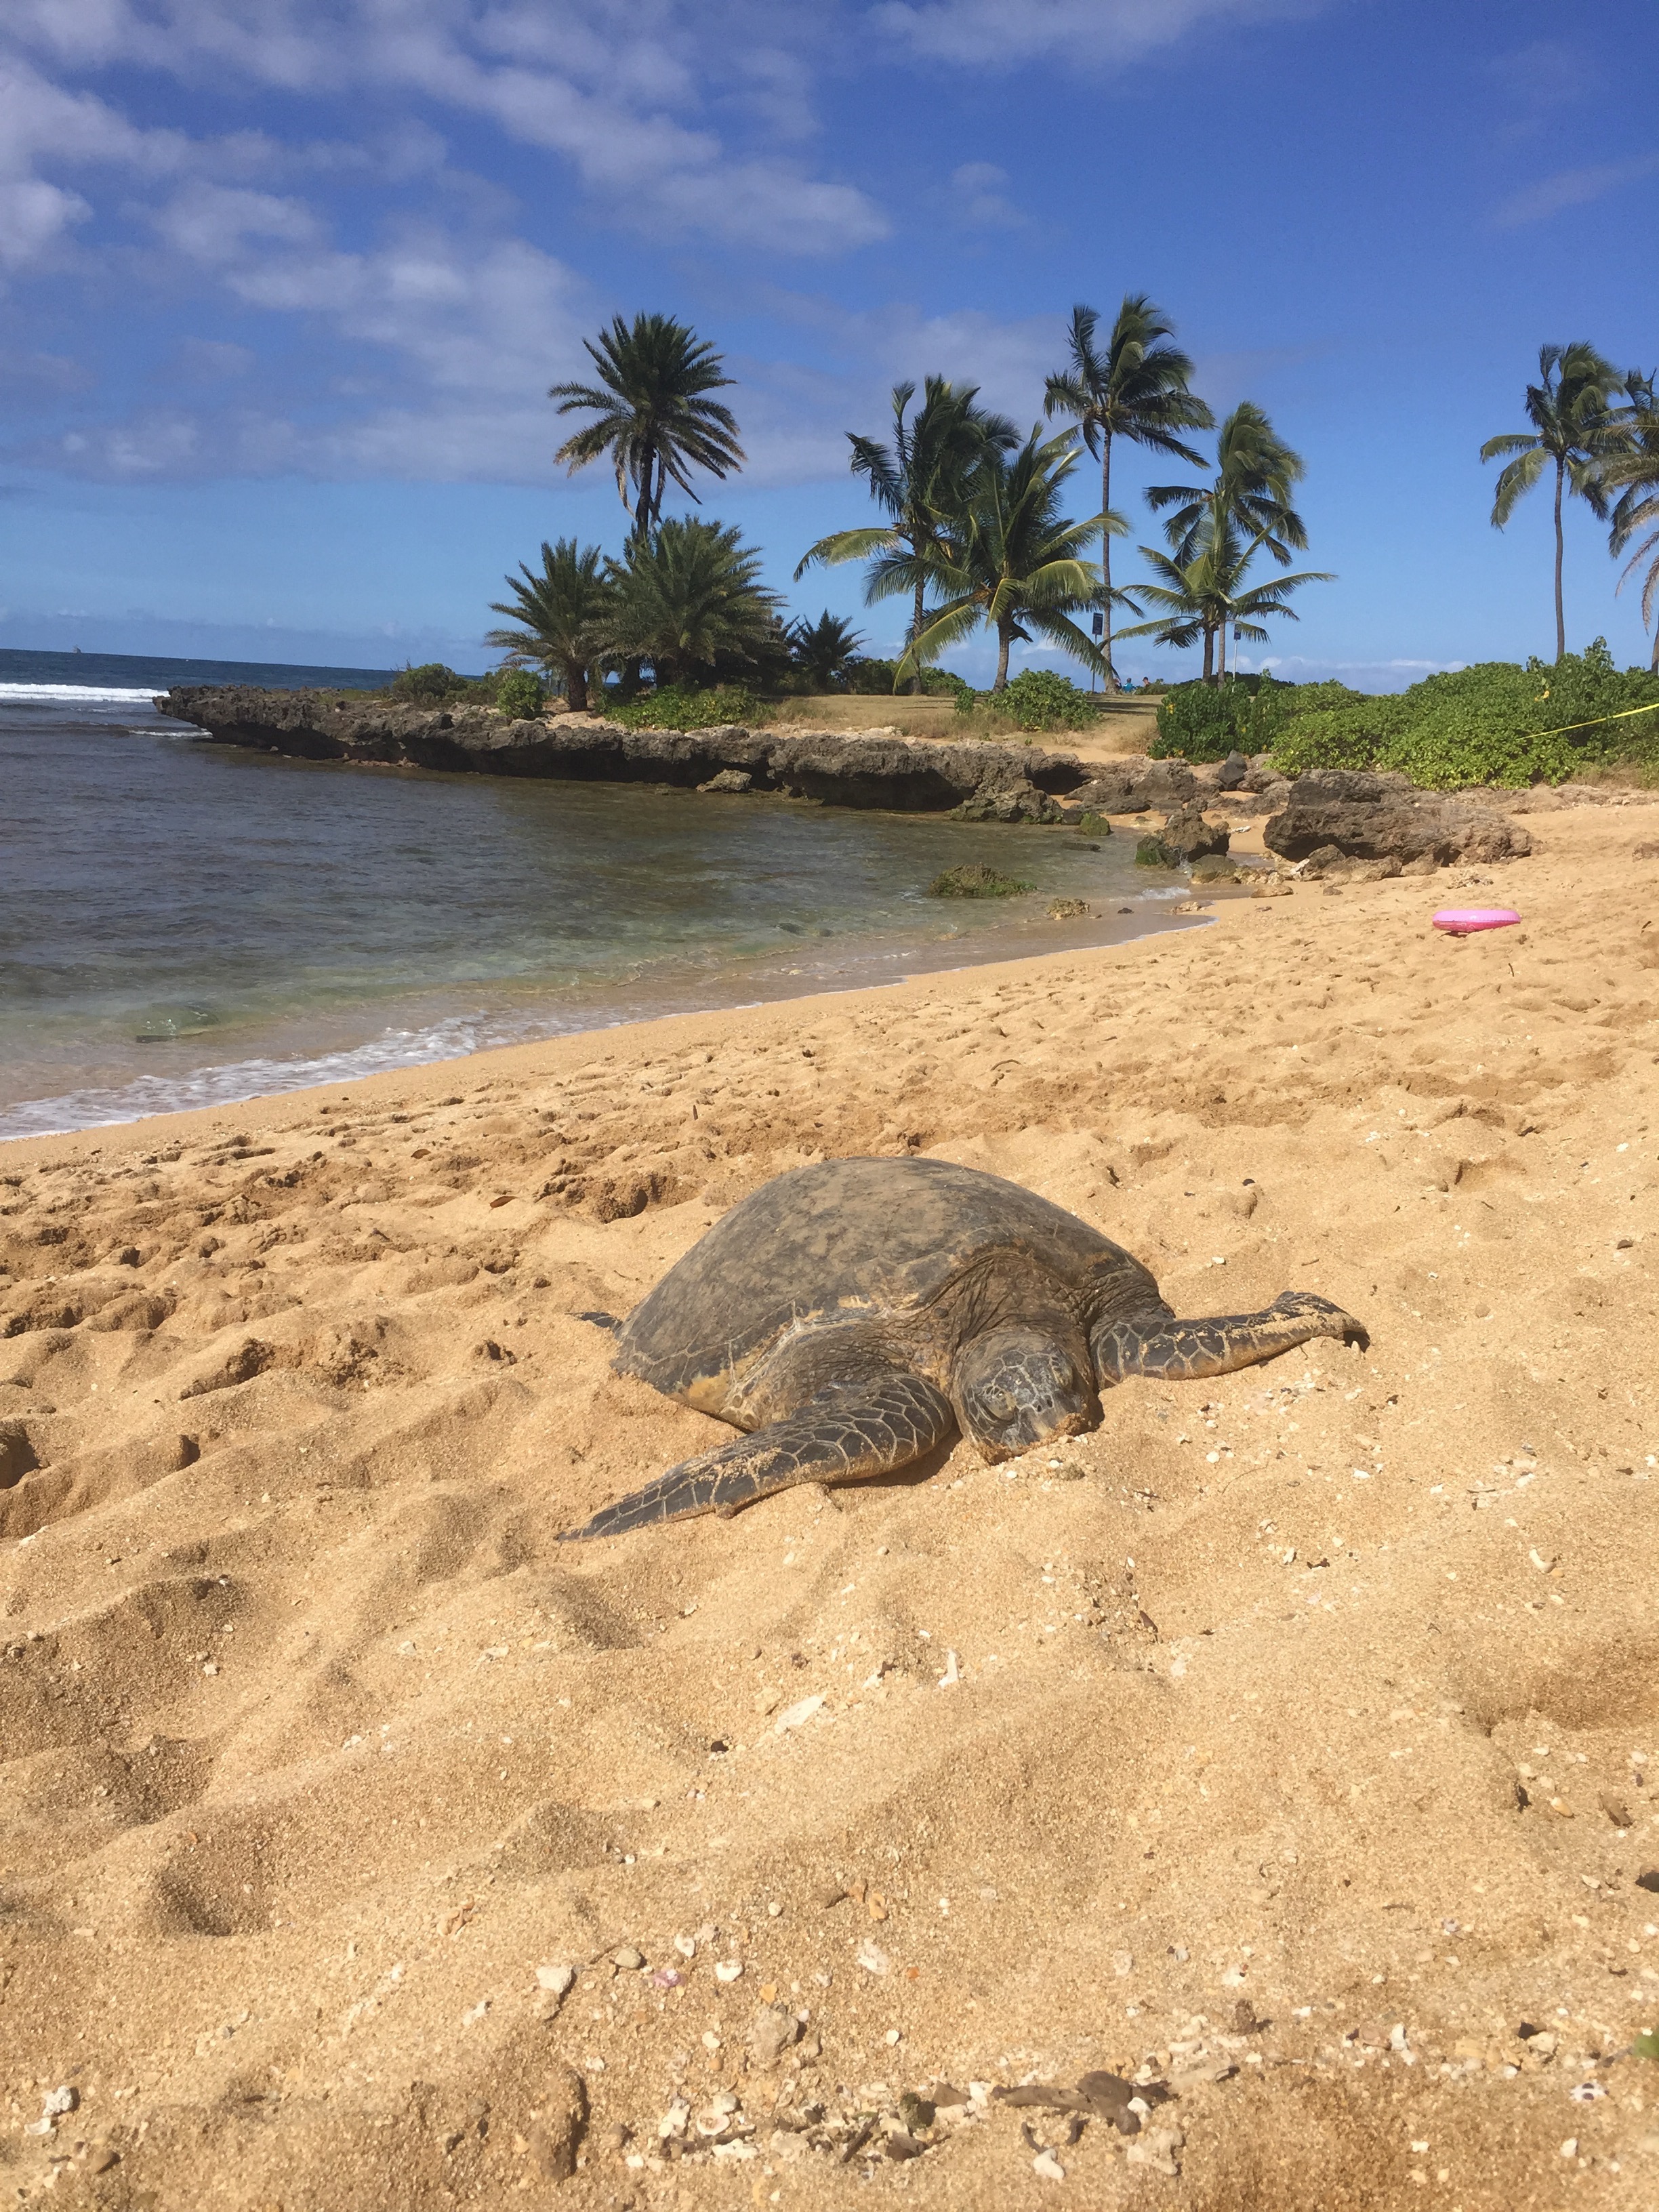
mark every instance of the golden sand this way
{"type": "Point", "coordinates": [1292, 1743]}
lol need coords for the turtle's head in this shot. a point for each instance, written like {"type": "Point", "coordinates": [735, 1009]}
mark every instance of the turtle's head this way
{"type": "Point", "coordinates": [1017, 1387]}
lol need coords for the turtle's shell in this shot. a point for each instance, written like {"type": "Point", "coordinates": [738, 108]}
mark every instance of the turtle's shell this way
{"type": "Point", "coordinates": [856, 1239]}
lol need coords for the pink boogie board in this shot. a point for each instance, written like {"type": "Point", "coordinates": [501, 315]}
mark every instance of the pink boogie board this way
{"type": "Point", "coordinates": [1463, 920]}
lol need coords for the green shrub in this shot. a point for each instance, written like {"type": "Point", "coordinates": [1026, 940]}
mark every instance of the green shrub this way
{"type": "Point", "coordinates": [975, 881]}
{"type": "Point", "coordinates": [1037, 699]}
{"type": "Point", "coordinates": [1495, 723]}
{"type": "Point", "coordinates": [1197, 722]}
{"type": "Point", "coordinates": [680, 707]}
{"type": "Point", "coordinates": [1200, 722]}
{"type": "Point", "coordinates": [870, 677]}
{"type": "Point", "coordinates": [519, 693]}
{"type": "Point", "coordinates": [428, 685]}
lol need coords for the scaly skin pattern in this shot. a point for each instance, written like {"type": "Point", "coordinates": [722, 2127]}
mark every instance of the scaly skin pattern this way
{"type": "Point", "coordinates": [875, 1425]}
{"type": "Point", "coordinates": [848, 1431]}
{"type": "Point", "coordinates": [1189, 1351]}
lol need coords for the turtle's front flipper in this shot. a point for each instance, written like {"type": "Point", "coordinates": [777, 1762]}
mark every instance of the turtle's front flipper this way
{"type": "Point", "coordinates": [849, 1430]}
{"type": "Point", "coordinates": [1188, 1350]}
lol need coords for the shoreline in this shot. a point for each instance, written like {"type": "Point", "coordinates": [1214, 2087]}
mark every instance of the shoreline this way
{"type": "Point", "coordinates": [1287, 1726]}
{"type": "Point", "coordinates": [509, 1061]}
{"type": "Point", "coordinates": [935, 957]}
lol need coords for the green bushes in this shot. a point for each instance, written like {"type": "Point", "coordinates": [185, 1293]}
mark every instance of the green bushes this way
{"type": "Point", "coordinates": [519, 695]}
{"type": "Point", "coordinates": [515, 691]}
{"type": "Point", "coordinates": [1037, 699]}
{"type": "Point", "coordinates": [1208, 721]}
{"type": "Point", "coordinates": [431, 684]}
{"type": "Point", "coordinates": [680, 707]}
{"type": "Point", "coordinates": [1495, 723]}
{"type": "Point", "coordinates": [870, 677]}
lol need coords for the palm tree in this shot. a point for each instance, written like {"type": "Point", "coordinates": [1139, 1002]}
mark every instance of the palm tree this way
{"type": "Point", "coordinates": [823, 650]}
{"type": "Point", "coordinates": [654, 419]}
{"type": "Point", "coordinates": [921, 481]}
{"type": "Point", "coordinates": [1017, 561]}
{"type": "Point", "coordinates": [1136, 389]}
{"type": "Point", "coordinates": [565, 613]}
{"type": "Point", "coordinates": [1256, 473]}
{"type": "Point", "coordinates": [689, 596]}
{"type": "Point", "coordinates": [1575, 429]}
{"type": "Point", "coordinates": [1635, 474]}
{"type": "Point", "coordinates": [1204, 594]}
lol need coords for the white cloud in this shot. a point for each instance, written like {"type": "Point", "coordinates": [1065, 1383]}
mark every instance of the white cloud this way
{"type": "Point", "coordinates": [1549, 73]}
{"type": "Point", "coordinates": [977, 199]}
{"type": "Point", "coordinates": [1358, 674]}
{"type": "Point", "coordinates": [468, 339]}
{"type": "Point", "coordinates": [41, 122]}
{"type": "Point", "coordinates": [1569, 188]}
{"type": "Point", "coordinates": [1000, 34]}
{"type": "Point", "coordinates": [218, 224]}
{"type": "Point", "coordinates": [618, 90]}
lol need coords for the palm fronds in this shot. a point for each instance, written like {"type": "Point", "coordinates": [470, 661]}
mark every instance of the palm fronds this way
{"type": "Point", "coordinates": [654, 417]}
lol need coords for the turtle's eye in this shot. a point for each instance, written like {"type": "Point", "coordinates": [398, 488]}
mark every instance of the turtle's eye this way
{"type": "Point", "coordinates": [996, 1402]}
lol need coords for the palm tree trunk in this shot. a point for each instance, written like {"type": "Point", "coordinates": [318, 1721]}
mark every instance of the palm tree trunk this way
{"type": "Point", "coordinates": [1560, 616]}
{"type": "Point", "coordinates": [575, 687]}
{"type": "Point", "coordinates": [1209, 653]}
{"type": "Point", "coordinates": [1109, 680]}
{"type": "Point", "coordinates": [915, 632]}
{"type": "Point", "coordinates": [1005, 639]}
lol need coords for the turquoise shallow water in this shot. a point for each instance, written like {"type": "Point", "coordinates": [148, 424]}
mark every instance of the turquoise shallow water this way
{"type": "Point", "coordinates": [183, 924]}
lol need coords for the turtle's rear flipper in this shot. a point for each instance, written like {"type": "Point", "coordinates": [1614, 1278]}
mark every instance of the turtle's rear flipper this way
{"type": "Point", "coordinates": [1188, 1350]}
{"type": "Point", "coordinates": [849, 1431]}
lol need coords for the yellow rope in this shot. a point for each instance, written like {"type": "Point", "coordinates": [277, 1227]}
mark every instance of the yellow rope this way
{"type": "Point", "coordinates": [1624, 715]}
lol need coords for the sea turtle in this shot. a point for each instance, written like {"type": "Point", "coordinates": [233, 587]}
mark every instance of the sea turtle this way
{"type": "Point", "coordinates": [851, 1317]}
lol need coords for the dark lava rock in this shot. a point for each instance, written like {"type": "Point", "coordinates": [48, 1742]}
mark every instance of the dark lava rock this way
{"type": "Point", "coordinates": [1216, 868]}
{"type": "Point", "coordinates": [1133, 784]}
{"type": "Point", "coordinates": [1189, 836]}
{"type": "Point", "coordinates": [986, 782]}
{"type": "Point", "coordinates": [1371, 816]}
{"type": "Point", "coordinates": [1234, 771]}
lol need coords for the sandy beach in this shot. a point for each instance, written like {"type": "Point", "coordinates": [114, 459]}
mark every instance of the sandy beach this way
{"type": "Point", "coordinates": [1289, 1747]}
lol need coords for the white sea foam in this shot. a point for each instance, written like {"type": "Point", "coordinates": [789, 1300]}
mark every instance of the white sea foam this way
{"type": "Point", "coordinates": [80, 694]}
{"type": "Point", "coordinates": [191, 1089]}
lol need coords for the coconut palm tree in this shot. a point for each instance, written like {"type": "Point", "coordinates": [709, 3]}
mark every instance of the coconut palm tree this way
{"type": "Point", "coordinates": [1249, 500]}
{"type": "Point", "coordinates": [921, 481]}
{"type": "Point", "coordinates": [1634, 474]}
{"type": "Point", "coordinates": [1256, 473]}
{"type": "Point", "coordinates": [655, 419]}
{"type": "Point", "coordinates": [823, 650]}
{"type": "Point", "coordinates": [1016, 562]}
{"type": "Point", "coordinates": [689, 597]}
{"type": "Point", "coordinates": [564, 615]}
{"type": "Point", "coordinates": [1576, 430]}
{"type": "Point", "coordinates": [1136, 389]}
{"type": "Point", "coordinates": [1203, 595]}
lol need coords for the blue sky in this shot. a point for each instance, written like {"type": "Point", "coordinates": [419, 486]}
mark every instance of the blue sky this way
{"type": "Point", "coordinates": [285, 285]}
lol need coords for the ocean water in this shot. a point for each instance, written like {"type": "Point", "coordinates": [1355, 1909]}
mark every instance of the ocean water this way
{"type": "Point", "coordinates": [184, 924]}
{"type": "Point", "coordinates": [134, 676]}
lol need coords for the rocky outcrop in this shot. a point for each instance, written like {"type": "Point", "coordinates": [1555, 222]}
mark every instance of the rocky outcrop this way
{"type": "Point", "coordinates": [981, 782]}
{"type": "Point", "coordinates": [1380, 817]}
{"type": "Point", "coordinates": [1134, 785]}
{"type": "Point", "coordinates": [1185, 836]}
